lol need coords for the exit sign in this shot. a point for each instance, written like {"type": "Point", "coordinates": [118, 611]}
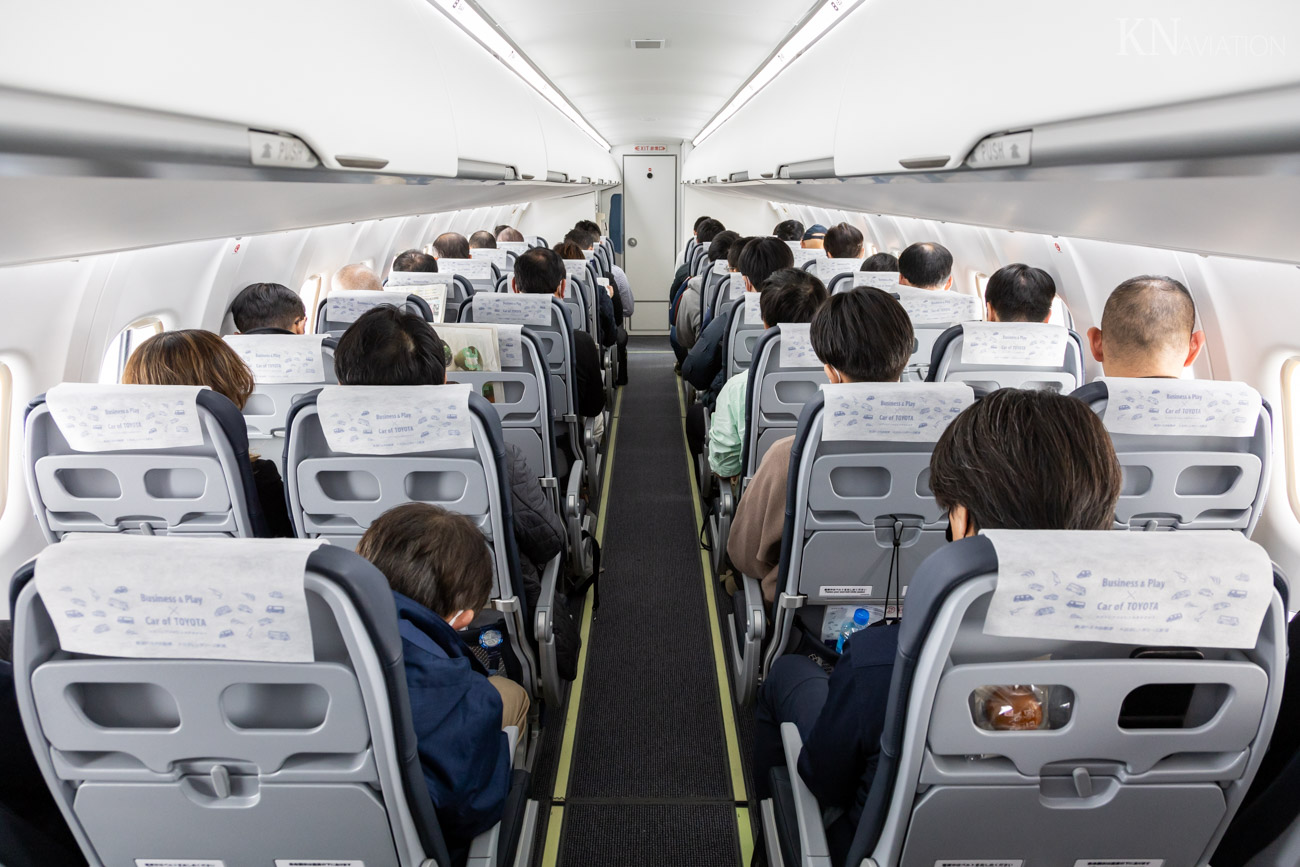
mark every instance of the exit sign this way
{"type": "Point", "coordinates": [651, 148]}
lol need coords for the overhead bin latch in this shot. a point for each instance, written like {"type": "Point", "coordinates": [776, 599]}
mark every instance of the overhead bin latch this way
{"type": "Point", "coordinates": [1001, 150]}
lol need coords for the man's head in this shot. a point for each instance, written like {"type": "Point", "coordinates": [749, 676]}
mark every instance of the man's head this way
{"type": "Point", "coordinates": [734, 251]}
{"type": "Point", "coordinates": [482, 240]}
{"type": "Point", "coordinates": [1019, 293]}
{"type": "Point", "coordinates": [813, 237]}
{"type": "Point", "coordinates": [720, 246]}
{"type": "Point", "coordinates": [434, 557]}
{"type": "Point", "coordinates": [353, 278]}
{"type": "Point", "coordinates": [925, 266]}
{"type": "Point", "coordinates": [588, 226]}
{"type": "Point", "coordinates": [509, 233]}
{"type": "Point", "coordinates": [880, 262]}
{"type": "Point", "coordinates": [708, 230]}
{"type": "Point", "coordinates": [1024, 459]}
{"type": "Point", "coordinates": [863, 335]}
{"type": "Point", "coordinates": [843, 241]}
{"type": "Point", "coordinates": [1148, 328]}
{"type": "Point", "coordinates": [539, 271]}
{"type": "Point", "coordinates": [451, 245]}
{"type": "Point", "coordinates": [699, 221]}
{"type": "Point", "coordinates": [414, 260]}
{"type": "Point", "coordinates": [790, 295]}
{"type": "Point", "coordinates": [268, 305]}
{"type": "Point", "coordinates": [388, 346]}
{"type": "Point", "coordinates": [582, 239]}
{"type": "Point", "coordinates": [760, 257]}
{"type": "Point", "coordinates": [788, 230]}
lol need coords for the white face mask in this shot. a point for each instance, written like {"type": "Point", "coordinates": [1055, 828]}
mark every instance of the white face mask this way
{"type": "Point", "coordinates": [452, 618]}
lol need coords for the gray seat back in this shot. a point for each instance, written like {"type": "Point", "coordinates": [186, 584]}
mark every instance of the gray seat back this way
{"type": "Point", "coordinates": [580, 296]}
{"type": "Point", "coordinates": [210, 760]}
{"type": "Point", "coordinates": [205, 489]}
{"type": "Point", "coordinates": [957, 357]}
{"type": "Point", "coordinates": [268, 405]}
{"type": "Point", "coordinates": [335, 317]}
{"type": "Point", "coordinates": [742, 336]}
{"type": "Point", "coordinates": [723, 294]}
{"type": "Point", "coordinates": [480, 274]}
{"type": "Point", "coordinates": [776, 394]}
{"type": "Point", "coordinates": [1189, 481]}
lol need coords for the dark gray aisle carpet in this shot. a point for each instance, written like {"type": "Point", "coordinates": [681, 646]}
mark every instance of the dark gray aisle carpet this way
{"type": "Point", "coordinates": [649, 782]}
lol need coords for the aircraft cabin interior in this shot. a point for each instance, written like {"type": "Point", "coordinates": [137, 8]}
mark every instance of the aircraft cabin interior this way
{"type": "Point", "coordinates": [486, 433]}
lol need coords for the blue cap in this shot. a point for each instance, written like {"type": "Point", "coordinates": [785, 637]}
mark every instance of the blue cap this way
{"type": "Point", "coordinates": [817, 230]}
{"type": "Point", "coordinates": [862, 617]}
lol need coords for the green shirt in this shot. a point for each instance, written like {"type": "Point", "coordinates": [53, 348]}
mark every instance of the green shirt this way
{"type": "Point", "coordinates": [727, 428]}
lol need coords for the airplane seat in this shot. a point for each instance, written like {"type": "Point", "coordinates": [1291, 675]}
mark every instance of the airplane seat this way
{"type": "Point", "coordinates": [698, 258]}
{"type": "Point", "coordinates": [344, 470]}
{"type": "Point", "coordinates": [932, 313]}
{"type": "Point", "coordinates": [459, 291]}
{"type": "Point", "coordinates": [284, 368]}
{"type": "Point", "coordinates": [834, 271]}
{"type": "Point", "coordinates": [340, 309]}
{"type": "Point", "coordinates": [744, 326]}
{"type": "Point", "coordinates": [691, 244]}
{"type": "Point", "coordinates": [300, 746]}
{"type": "Point", "coordinates": [859, 520]}
{"type": "Point", "coordinates": [478, 275]}
{"type": "Point", "coordinates": [1207, 469]}
{"type": "Point", "coordinates": [1008, 355]}
{"type": "Point", "coordinates": [1117, 750]}
{"type": "Point", "coordinates": [725, 290]}
{"type": "Point", "coordinates": [841, 282]}
{"type": "Point", "coordinates": [536, 241]}
{"type": "Point", "coordinates": [503, 284]}
{"type": "Point", "coordinates": [186, 472]}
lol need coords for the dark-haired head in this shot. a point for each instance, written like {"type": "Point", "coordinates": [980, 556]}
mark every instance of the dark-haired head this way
{"type": "Point", "coordinates": [843, 241]}
{"type": "Point", "coordinates": [389, 346]}
{"type": "Point", "coordinates": [708, 230]}
{"type": "Point", "coordinates": [863, 335]}
{"type": "Point", "coordinates": [539, 271]}
{"type": "Point", "coordinates": [737, 246]}
{"type": "Point", "coordinates": [760, 257]}
{"type": "Point", "coordinates": [483, 240]}
{"type": "Point", "coordinates": [451, 245]}
{"type": "Point", "coordinates": [880, 262]}
{"type": "Point", "coordinates": [568, 250]}
{"type": "Point", "coordinates": [790, 295]}
{"type": "Point", "coordinates": [1026, 460]}
{"type": "Point", "coordinates": [788, 230]}
{"type": "Point", "coordinates": [720, 246]}
{"type": "Point", "coordinates": [268, 305]}
{"type": "Point", "coordinates": [925, 266]}
{"type": "Point", "coordinates": [1020, 293]}
{"type": "Point", "coordinates": [590, 226]}
{"type": "Point", "coordinates": [582, 239]}
{"type": "Point", "coordinates": [1148, 328]}
{"type": "Point", "coordinates": [698, 222]}
{"type": "Point", "coordinates": [414, 260]}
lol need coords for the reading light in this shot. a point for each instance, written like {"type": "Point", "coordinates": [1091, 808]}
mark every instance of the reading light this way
{"type": "Point", "coordinates": [812, 29]}
{"type": "Point", "coordinates": [486, 35]}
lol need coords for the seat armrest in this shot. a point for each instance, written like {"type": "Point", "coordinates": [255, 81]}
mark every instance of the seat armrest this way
{"type": "Point", "coordinates": [483, 851]}
{"type": "Point", "coordinates": [808, 813]}
{"type": "Point", "coordinates": [544, 623]}
{"type": "Point", "coordinates": [755, 618]}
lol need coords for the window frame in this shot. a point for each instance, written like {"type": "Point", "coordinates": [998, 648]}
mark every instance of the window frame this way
{"type": "Point", "coordinates": [1291, 430]}
{"type": "Point", "coordinates": [6, 430]}
{"type": "Point", "coordinates": [125, 343]}
{"type": "Point", "coordinates": [310, 308]}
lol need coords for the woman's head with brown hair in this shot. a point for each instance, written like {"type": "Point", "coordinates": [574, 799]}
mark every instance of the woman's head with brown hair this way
{"type": "Point", "coordinates": [190, 357]}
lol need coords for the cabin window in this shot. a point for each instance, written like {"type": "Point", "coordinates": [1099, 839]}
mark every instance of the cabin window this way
{"type": "Point", "coordinates": [123, 345]}
{"type": "Point", "coordinates": [310, 295]}
{"type": "Point", "coordinates": [6, 403]}
{"type": "Point", "coordinates": [981, 283]}
{"type": "Point", "coordinates": [1291, 429]}
{"type": "Point", "coordinates": [1061, 314]}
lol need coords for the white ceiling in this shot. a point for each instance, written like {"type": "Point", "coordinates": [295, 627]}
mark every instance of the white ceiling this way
{"type": "Point", "coordinates": [632, 95]}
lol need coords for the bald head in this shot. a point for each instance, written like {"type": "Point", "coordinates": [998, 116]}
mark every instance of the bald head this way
{"type": "Point", "coordinates": [350, 278]}
{"type": "Point", "coordinates": [509, 233]}
{"type": "Point", "coordinates": [1147, 329]}
{"type": "Point", "coordinates": [451, 245]}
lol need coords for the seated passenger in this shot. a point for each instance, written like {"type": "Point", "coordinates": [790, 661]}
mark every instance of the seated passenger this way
{"type": "Point", "coordinates": [541, 272]}
{"type": "Point", "coordinates": [440, 570]}
{"type": "Point", "coordinates": [788, 230]}
{"type": "Point", "coordinates": [1019, 293]}
{"type": "Point", "coordinates": [416, 261]}
{"type": "Point", "coordinates": [843, 242]}
{"type": "Point", "coordinates": [814, 237]}
{"type": "Point", "coordinates": [268, 308]}
{"type": "Point", "coordinates": [509, 233]}
{"type": "Point", "coordinates": [706, 228]}
{"type": "Point", "coordinates": [451, 245]}
{"type": "Point", "coordinates": [863, 335]}
{"type": "Point", "coordinates": [1016, 460]}
{"type": "Point", "coordinates": [195, 357]}
{"type": "Point", "coordinates": [388, 346]}
{"type": "Point", "coordinates": [690, 311]}
{"type": "Point", "coordinates": [789, 295]}
{"type": "Point", "coordinates": [621, 293]}
{"type": "Point", "coordinates": [482, 240]}
{"type": "Point", "coordinates": [1148, 329]}
{"type": "Point", "coordinates": [355, 278]}
{"type": "Point", "coordinates": [925, 266]}
{"type": "Point", "coordinates": [571, 248]}
{"type": "Point", "coordinates": [880, 262]}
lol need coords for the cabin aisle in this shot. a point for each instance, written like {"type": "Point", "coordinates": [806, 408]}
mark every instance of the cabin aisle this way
{"type": "Point", "coordinates": [652, 774]}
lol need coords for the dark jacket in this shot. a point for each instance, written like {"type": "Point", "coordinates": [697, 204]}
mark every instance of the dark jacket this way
{"type": "Point", "coordinates": [841, 752]}
{"type": "Point", "coordinates": [270, 329]}
{"type": "Point", "coordinates": [456, 715]}
{"type": "Point", "coordinates": [606, 318]}
{"type": "Point", "coordinates": [704, 367]}
{"type": "Point", "coordinates": [587, 369]}
{"type": "Point", "coordinates": [539, 536]}
{"type": "Point", "coordinates": [270, 493]}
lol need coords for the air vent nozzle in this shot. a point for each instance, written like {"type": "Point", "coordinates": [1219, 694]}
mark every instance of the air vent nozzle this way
{"type": "Point", "coordinates": [648, 43]}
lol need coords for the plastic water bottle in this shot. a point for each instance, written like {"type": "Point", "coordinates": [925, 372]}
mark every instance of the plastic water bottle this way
{"type": "Point", "coordinates": [861, 618]}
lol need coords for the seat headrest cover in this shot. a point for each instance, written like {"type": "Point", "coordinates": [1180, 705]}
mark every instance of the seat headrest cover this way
{"type": "Point", "coordinates": [807, 254]}
{"type": "Point", "coordinates": [281, 357]}
{"type": "Point", "coordinates": [349, 305]}
{"type": "Point", "coordinates": [885, 280]}
{"type": "Point", "coordinates": [796, 345]}
{"type": "Point", "coordinates": [911, 412]}
{"type": "Point", "coordinates": [163, 597]}
{"type": "Point", "coordinates": [513, 308]}
{"type": "Point", "coordinates": [101, 418]}
{"type": "Point", "coordinates": [753, 308]}
{"type": "Point", "coordinates": [936, 307]}
{"type": "Point", "coordinates": [575, 267]}
{"type": "Point", "coordinates": [510, 343]}
{"type": "Point", "coordinates": [404, 279]}
{"type": "Point", "coordinates": [735, 285]}
{"type": "Point", "coordinates": [828, 267]}
{"type": "Point", "coordinates": [1190, 588]}
{"type": "Point", "coordinates": [515, 247]}
{"type": "Point", "coordinates": [434, 294]}
{"type": "Point", "coordinates": [1186, 407]}
{"type": "Point", "coordinates": [472, 269]}
{"type": "Point", "coordinates": [495, 255]}
{"type": "Point", "coordinates": [1027, 344]}
{"type": "Point", "coordinates": [395, 420]}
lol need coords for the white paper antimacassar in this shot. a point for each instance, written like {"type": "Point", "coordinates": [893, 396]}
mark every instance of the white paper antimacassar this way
{"type": "Point", "coordinates": [1028, 344]}
{"type": "Point", "coordinates": [99, 418]}
{"type": "Point", "coordinates": [394, 420]}
{"type": "Point", "coordinates": [892, 411]}
{"type": "Point", "coordinates": [281, 357]}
